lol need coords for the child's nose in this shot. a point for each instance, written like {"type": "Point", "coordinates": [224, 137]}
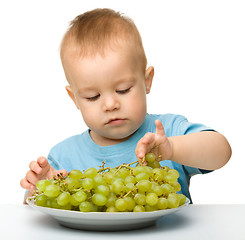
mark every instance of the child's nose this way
{"type": "Point", "coordinates": [110, 103]}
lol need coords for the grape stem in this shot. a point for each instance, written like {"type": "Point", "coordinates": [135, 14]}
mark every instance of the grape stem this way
{"type": "Point", "coordinates": [125, 166]}
{"type": "Point", "coordinates": [131, 191]}
{"type": "Point", "coordinates": [103, 169]}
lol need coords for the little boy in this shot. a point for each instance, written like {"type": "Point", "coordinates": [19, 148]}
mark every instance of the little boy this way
{"type": "Point", "coordinates": [106, 68]}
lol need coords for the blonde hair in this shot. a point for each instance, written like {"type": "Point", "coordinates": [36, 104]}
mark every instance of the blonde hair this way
{"type": "Point", "coordinates": [91, 32]}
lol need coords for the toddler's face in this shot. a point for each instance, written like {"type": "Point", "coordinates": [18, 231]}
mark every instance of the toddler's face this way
{"type": "Point", "coordinates": [110, 92]}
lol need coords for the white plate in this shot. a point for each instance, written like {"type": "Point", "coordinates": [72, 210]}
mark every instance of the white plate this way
{"type": "Point", "coordinates": [105, 221]}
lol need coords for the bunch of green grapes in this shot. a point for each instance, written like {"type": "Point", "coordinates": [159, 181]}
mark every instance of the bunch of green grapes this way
{"type": "Point", "coordinates": [121, 189]}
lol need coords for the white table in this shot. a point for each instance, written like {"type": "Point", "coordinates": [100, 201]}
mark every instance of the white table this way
{"type": "Point", "coordinates": [219, 222]}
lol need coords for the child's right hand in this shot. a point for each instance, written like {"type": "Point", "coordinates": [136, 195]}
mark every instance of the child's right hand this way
{"type": "Point", "coordinates": [39, 170]}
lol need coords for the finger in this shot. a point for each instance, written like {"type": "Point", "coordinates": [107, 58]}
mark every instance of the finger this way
{"type": "Point", "coordinates": [26, 185]}
{"type": "Point", "coordinates": [148, 139]}
{"type": "Point", "coordinates": [35, 167]}
{"type": "Point", "coordinates": [32, 177]}
{"type": "Point", "coordinates": [42, 161]}
{"type": "Point", "coordinates": [143, 146]}
{"type": "Point", "coordinates": [146, 143]}
{"type": "Point", "coordinates": [159, 128]}
{"type": "Point", "coordinates": [63, 171]}
{"type": "Point", "coordinates": [140, 149]}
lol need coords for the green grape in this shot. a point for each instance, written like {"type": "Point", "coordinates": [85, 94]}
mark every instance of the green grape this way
{"type": "Point", "coordinates": [113, 171]}
{"type": "Point", "coordinates": [140, 198]}
{"type": "Point", "coordinates": [129, 179]}
{"type": "Point", "coordinates": [149, 208]}
{"type": "Point", "coordinates": [42, 184]}
{"type": "Point", "coordinates": [111, 200]}
{"type": "Point", "coordinates": [52, 191]}
{"type": "Point", "coordinates": [130, 203]}
{"type": "Point", "coordinates": [103, 190]}
{"type": "Point", "coordinates": [109, 177]}
{"type": "Point", "coordinates": [158, 174]}
{"type": "Point", "coordinates": [117, 187]}
{"type": "Point", "coordinates": [124, 189]}
{"type": "Point", "coordinates": [123, 172]}
{"type": "Point", "coordinates": [153, 184]}
{"type": "Point", "coordinates": [143, 185]}
{"type": "Point", "coordinates": [90, 172]}
{"type": "Point", "coordinates": [75, 174]}
{"type": "Point", "coordinates": [170, 179]}
{"type": "Point", "coordinates": [174, 173]}
{"type": "Point", "coordinates": [99, 180]}
{"type": "Point", "coordinates": [176, 186]}
{"type": "Point", "coordinates": [64, 198]}
{"type": "Point", "coordinates": [94, 208]}
{"type": "Point", "coordinates": [154, 164]}
{"type": "Point", "coordinates": [149, 170]}
{"type": "Point", "coordinates": [167, 188]}
{"type": "Point", "coordinates": [73, 201]}
{"type": "Point", "coordinates": [88, 183]}
{"type": "Point", "coordinates": [80, 196]}
{"type": "Point", "coordinates": [48, 203]}
{"type": "Point", "coordinates": [41, 200]}
{"type": "Point", "coordinates": [121, 204]}
{"type": "Point", "coordinates": [151, 199]}
{"type": "Point", "coordinates": [157, 189]}
{"type": "Point", "coordinates": [182, 198]}
{"type": "Point", "coordinates": [129, 187]}
{"type": "Point", "coordinates": [139, 208]}
{"type": "Point", "coordinates": [80, 183]}
{"type": "Point", "coordinates": [111, 209]}
{"type": "Point", "coordinates": [141, 176]}
{"type": "Point", "coordinates": [66, 207]}
{"type": "Point", "coordinates": [54, 203]}
{"type": "Point", "coordinates": [118, 180]}
{"type": "Point", "coordinates": [173, 200]}
{"type": "Point", "coordinates": [99, 199]}
{"type": "Point", "coordinates": [138, 169]}
{"type": "Point", "coordinates": [172, 176]}
{"type": "Point", "coordinates": [85, 207]}
{"type": "Point", "coordinates": [162, 203]}
{"type": "Point", "coordinates": [72, 183]}
{"type": "Point", "coordinates": [150, 157]}
{"type": "Point", "coordinates": [88, 193]}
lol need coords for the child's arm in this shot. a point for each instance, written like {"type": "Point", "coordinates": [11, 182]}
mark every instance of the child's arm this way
{"type": "Point", "coordinates": [39, 169]}
{"type": "Point", "coordinates": [206, 150]}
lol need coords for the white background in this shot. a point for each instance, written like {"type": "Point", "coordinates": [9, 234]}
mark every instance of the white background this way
{"type": "Point", "coordinates": [196, 47]}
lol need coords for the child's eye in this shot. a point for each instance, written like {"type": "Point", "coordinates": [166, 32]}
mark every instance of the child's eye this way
{"type": "Point", "coordinates": [93, 98]}
{"type": "Point", "coordinates": [123, 91]}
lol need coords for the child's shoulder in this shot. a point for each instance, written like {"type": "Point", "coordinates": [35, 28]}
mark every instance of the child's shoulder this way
{"type": "Point", "coordinates": [71, 142]}
{"type": "Point", "coordinates": [168, 118]}
{"type": "Point", "coordinates": [171, 122]}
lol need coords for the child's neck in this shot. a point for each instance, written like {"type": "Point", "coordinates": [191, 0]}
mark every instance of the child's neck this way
{"type": "Point", "coordinates": [102, 141]}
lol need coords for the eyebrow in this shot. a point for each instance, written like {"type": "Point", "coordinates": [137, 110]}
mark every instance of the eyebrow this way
{"type": "Point", "coordinates": [121, 80]}
{"type": "Point", "coordinates": [129, 79]}
{"type": "Point", "coordinates": [80, 90]}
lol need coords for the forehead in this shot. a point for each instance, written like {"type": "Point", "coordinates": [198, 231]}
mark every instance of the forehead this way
{"type": "Point", "coordinates": [119, 63]}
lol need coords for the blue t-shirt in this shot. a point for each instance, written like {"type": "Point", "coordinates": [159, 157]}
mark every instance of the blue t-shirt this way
{"type": "Point", "coordinates": [81, 152]}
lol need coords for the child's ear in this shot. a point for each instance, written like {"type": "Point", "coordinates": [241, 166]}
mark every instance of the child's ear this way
{"type": "Point", "coordinates": [149, 74]}
{"type": "Point", "coordinates": [70, 93]}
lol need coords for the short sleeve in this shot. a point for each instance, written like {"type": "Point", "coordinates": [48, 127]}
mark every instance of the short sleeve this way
{"type": "Point", "coordinates": [186, 127]}
{"type": "Point", "coordinates": [51, 159]}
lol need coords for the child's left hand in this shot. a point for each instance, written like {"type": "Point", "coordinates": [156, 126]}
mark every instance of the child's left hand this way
{"type": "Point", "coordinates": [156, 143]}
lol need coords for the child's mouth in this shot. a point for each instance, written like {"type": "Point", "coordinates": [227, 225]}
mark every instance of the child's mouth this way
{"type": "Point", "coordinates": [116, 121]}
